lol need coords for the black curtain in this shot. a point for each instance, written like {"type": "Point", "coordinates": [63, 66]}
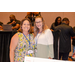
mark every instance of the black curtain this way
{"type": "Point", "coordinates": [5, 37]}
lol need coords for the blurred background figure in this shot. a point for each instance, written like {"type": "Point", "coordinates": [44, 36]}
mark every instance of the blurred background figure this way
{"type": "Point", "coordinates": [31, 16]}
{"type": "Point", "coordinates": [56, 23]}
{"type": "Point", "coordinates": [65, 38]}
{"type": "Point", "coordinates": [14, 22]}
{"type": "Point", "coordinates": [1, 28]}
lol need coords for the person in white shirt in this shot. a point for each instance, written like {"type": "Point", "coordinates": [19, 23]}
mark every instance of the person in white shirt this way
{"type": "Point", "coordinates": [43, 39]}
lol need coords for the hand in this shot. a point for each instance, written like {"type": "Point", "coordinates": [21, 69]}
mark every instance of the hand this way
{"type": "Point", "coordinates": [13, 22]}
{"type": "Point", "coordinates": [12, 28]}
{"type": "Point", "coordinates": [49, 58]}
{"type": "Point", "coordinates": [52, 30]}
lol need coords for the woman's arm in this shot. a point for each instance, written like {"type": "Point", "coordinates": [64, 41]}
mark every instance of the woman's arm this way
{"type": "Point", "coordinates": [13, 44]}
{"type": "Point", "coordinates": [51, 51]}
{"type": "Point", "coordinates": [49, 37]}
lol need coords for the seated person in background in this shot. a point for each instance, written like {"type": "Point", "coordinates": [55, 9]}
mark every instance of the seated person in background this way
{"type": "Point", "coordinates": [14, 22]}
{"type": "Point", "coordinates": [56, 23]}
{"type": "Point", "coordinates": [1, 28]}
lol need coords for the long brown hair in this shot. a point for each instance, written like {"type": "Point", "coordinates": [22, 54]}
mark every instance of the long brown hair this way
{"type": "Point", "coordinates": [44, 27]}
{"type": "Point", "coordinates": [22, 24]}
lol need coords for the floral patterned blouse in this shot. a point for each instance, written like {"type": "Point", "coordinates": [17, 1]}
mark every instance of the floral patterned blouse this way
{"type": "Point", "coordinates": [23, 47]}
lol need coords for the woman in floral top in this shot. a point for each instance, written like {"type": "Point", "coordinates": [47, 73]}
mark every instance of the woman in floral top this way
{"type": "Point", "coordinates": [22, 44]}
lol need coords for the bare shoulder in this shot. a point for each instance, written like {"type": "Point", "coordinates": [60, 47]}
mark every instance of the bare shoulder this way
{"type": "Point", "coordinates": [14, 42]}
{"type": "Point", "coordinates": [15, 37]}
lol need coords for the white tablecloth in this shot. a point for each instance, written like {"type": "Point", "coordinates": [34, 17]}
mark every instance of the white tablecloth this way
{"type": "Point", "coordinates": [35, 59]}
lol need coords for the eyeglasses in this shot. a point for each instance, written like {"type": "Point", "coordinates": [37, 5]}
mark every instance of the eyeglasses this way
{"type": "Point", "coordinates": [27, 24]}
{"type": "Point", "coordinates": [38, 22]}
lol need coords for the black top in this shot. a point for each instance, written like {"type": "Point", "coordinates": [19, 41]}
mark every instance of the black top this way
{"type": "Point", "coordinates": [17, 22]}
{"type": "Point", "coordinates": [53, 26]}
{"type": "Point", "coordinates": [65, 37]}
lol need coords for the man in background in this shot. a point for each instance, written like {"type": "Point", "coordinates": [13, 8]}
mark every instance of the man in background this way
{"type": "Point", "coordinates": [14, 22]}
{"type": "Point", "coordinates": [65, 38]}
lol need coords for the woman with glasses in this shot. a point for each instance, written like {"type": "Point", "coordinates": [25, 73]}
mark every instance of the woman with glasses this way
{"type": "Point", "coordinates": [43, 39]}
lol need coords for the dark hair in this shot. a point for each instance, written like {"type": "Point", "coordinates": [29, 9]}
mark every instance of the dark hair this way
{"type": "Point", "coordinates": [12, 16]}
{"type": "Point", "coordinates": [56, 23]}
{"type": "Point", "coordinates": [65, 19]}
{"type": "Point", "coordinates": [22, 24]}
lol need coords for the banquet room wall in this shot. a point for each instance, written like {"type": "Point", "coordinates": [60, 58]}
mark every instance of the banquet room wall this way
{"type": "Point", "coordinates": [49, 17]}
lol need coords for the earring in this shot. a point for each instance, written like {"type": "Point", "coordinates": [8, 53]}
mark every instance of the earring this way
{"type": "Point", "coordinates": [21, 27]}
{"type": "Point", "coordinates": [28, 30]}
